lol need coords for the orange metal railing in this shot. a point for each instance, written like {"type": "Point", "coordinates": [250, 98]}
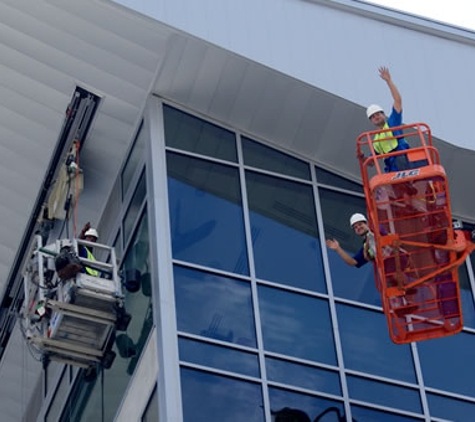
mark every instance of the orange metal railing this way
{"type": "Point", "coordinates": [417, 249]}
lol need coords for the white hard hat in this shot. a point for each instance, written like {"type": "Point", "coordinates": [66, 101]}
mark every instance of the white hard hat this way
{"type": "Point", "coordinates": [373, 108]}
{"type": "Point", "coordinates": [356, 218]}
{"type": "Point", "coordinates": [92, 232]}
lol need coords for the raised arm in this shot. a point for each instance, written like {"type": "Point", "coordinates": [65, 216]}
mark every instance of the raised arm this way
{"type": "Point", "coordinates": [386, 76]}
{"type": "Point", "coordinates": [335, 246]}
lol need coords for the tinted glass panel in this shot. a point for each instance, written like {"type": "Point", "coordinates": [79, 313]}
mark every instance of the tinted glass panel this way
{"type": "Point", "coordinates": [190, 133]}
{"type": "Point", "coordinates": [261, 156]}
{"type": "Point", "coordinates": [446, 362]}
{"type": "Point", "coordinates": [136, 154]}
{"type": "Point", "coordinates": [384, 394]}
{"type": "Point", "coordinates": [368, 348]}
{"type": "Point", "coordinates": [134, 207]}
{"type": "Point", "coordinates": [450, 408]}
{"type": "Point", "coordinates": [289, 407]}
{"type": "Point", "coordinates": [206, 214]}
{"type": "Point", "coordinates": [331, 179]}
{"type": "Point", "coordinates": [304, 376]}
{"type": "Point", "coordinates": [218, 357]}
{"type": "Point", "coordinates": [296, 325]}
{"type": "Point", "coordinates": [284, 232]}
{"type": "Point", "coordinates": [467, 298]}
{"type": "Point", "coordinates": [362, 414]}
{"type": "Point", "coordinates": [57, 402]}
{"type": "Point", "coordinates": [214, 306]}
{"type": "Point", "coordinates": [214, 398]}
{"type": "Point", "coordinates": [348, 282]}
{"type": "Point", "coordinates": [151, 412]}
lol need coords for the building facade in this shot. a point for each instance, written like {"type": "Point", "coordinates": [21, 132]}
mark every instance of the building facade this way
{"type": "Point", "coordinates": [240, 164]}
{"type": "Point", "coordinates": [252, 314]}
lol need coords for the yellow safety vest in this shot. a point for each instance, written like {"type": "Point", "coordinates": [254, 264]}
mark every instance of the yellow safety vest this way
{"type": "Point", "coordinates": [91, 271]}
{"type": "Point", "coordinates": [383, 147]}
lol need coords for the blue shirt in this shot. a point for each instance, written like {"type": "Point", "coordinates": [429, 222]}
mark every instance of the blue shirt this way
{"type": "Point", "coordinates": [359, 258]}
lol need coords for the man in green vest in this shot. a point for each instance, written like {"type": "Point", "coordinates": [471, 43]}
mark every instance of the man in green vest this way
{"type": "Point", "coordinates": [91, 235]}
{"type": "Point", "coordinates": [393, 138]}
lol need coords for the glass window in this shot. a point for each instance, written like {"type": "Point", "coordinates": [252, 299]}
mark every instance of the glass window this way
{"type": "Point", "coordinates": [133, 160]}
{"type": "Point", "coordinates": [214, 306]}
{"type": "Point", "coordinates": [368, 348]}
{"type": "Point", "coordinates": [264, 157]}
{"type": "Point", "coordinates": [384, 394]}
{"type": "Point", "coordinates": [287, 406]}
{"type": "Point", "coordinates": [190, 133]}
{"type": "Point", "coordinates": [130, 345]}
{"type": "Point", "coordinates": [214, 398]}
{"type": "Point", "coordinates": [52, 373]}
{"type": "Point", "coordinates": [284, 232]}
{"type": "Point", "coordinates": [206, 214]}
{"type": "Point", "coordinates": [151, 411]}
{"type": "Point", "coordinates": [450, 408]}
{"type": "Point", "coordinates": [84, 403]}
{"type": "Point", "coordinates": [331, 179]}
{"type": "Point", "coordinates": [56, 404]}
{"type": "Point", "coordinates": [348, 282]}
{"type": "Point", "coordinates": [466, 297]}
{"type": "Point", "coordinates": [363, 414]}
{"type": "Point", "coordinates": [304, 376]}
{"type": "Point", "coordinates": [219, 357]}
{"type": "Point", "coordinates": [296, 325]}
{"type": "Point", "coordinates": [134, 207]}
{"type": "Point", "coordinates": [446, 362]}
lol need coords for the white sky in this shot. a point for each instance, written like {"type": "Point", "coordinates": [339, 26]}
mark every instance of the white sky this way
{"type": "Point", "coordinates": [456, 12]}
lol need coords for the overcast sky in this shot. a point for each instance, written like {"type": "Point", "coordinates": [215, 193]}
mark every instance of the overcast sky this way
{"type": "Point", "coordinates": [457, 12]}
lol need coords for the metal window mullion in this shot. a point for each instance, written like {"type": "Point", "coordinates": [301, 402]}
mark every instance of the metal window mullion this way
{"type": "Point", "coordinates": [471, 279]}
{"type": "Point", "coordinates": [164, 310]}
{"type": "Point", "coordinates": [420, 381]}
{"type": "Point", "coordinates": [252, 273]}
{"type": "Point", "coordinates": [331, 298]}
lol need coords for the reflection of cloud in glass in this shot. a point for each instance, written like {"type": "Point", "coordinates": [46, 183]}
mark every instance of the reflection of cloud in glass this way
{"type": "Point", "coordinates": [213, 306]}
{"type": "Point", "coordinates": [296, 325]}
{"type": "Point", "coordinates": [207, 229]}
{"type": "Point", "coordinates": [212, 398]}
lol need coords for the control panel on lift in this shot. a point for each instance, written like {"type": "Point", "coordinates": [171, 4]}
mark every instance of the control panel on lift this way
{"type": "Point", "coordinates": [73, 305]}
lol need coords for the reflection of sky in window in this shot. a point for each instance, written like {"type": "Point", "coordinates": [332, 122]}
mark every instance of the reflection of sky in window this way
{"type": "Point", "coordinates": [219, 357]}
{"type": "Point", "coordinates": [206, 229]}
{"type": "Point", "coordinates": [286, 255]}
{"type": "Point", "coordinates": [446, 363]}
{"type": "Point", "coordinates": [305, 376]}
{"type": "Point", "coordinates": [353, 283]}
{"type": "Point", "coordinates": [450, 408]}
{"type": "Point", "coordinates": [367, 346]}
{"type": "Point", "coordinates": [214, 306]}
{"type": "Point", "coordinates": [312, 406]}
{"type": "Point", "coordinates": [214, 398]}
{"type": "Point", "coordinates": [362, 414]}
{"type": "Point", "coordinates": [466, 298]}
{"type": "Point", "coordinates": [384, 394]}
{"type": "Point", "coordinates": [296, 325]}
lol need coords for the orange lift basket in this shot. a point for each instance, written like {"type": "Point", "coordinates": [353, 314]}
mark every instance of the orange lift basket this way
{"type": "Point", "coordinates": [417, 249]}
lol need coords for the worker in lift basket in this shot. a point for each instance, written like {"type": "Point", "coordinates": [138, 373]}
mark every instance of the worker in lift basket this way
{"type": "Point", "coordinates": [376, 115]}
{"type": "Point", "coordinates": [367, 253]}
{"type": "Point", "coordinates": [359, 224]}
{"type": "Point", "coordinates": [91, 235]}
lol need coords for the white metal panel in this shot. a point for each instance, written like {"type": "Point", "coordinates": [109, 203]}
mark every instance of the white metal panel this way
{"type": "Point", "coordinates": [47, 48]}
{"type": "Point", "coordinates": [338, 45]}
